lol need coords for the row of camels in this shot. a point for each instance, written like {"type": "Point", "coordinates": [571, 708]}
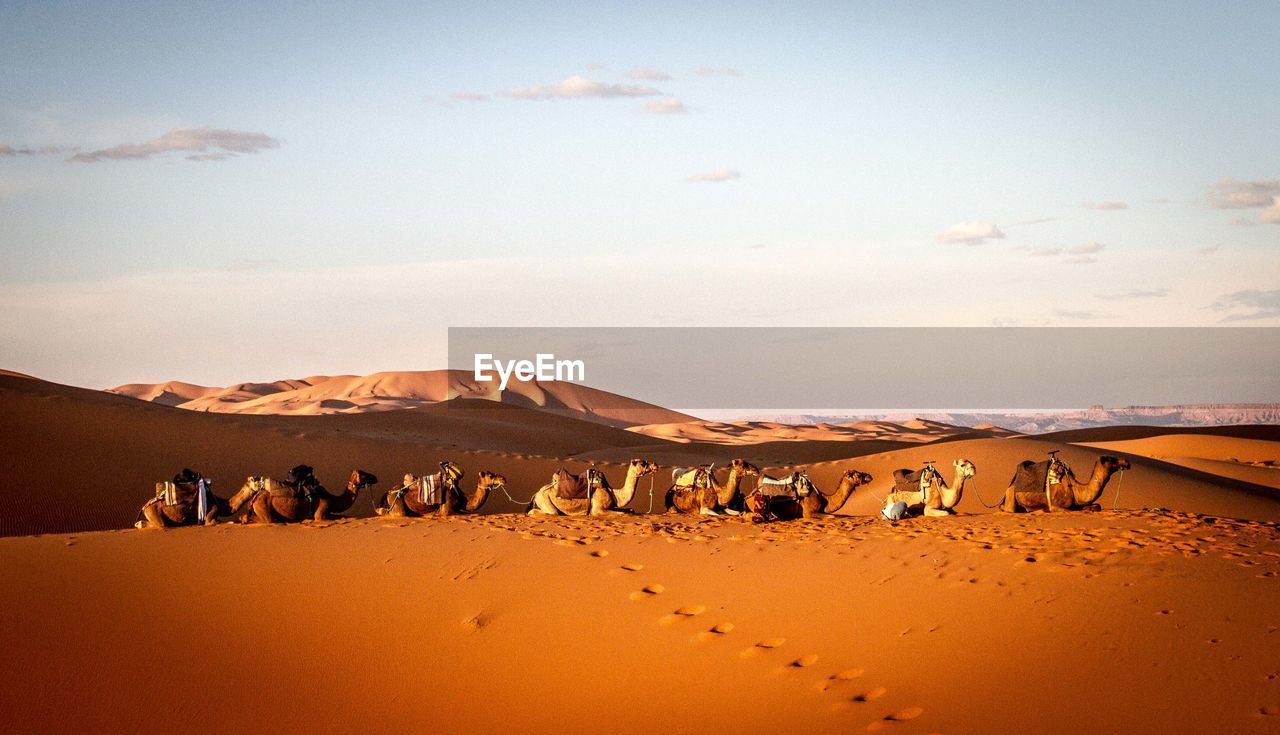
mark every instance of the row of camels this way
{"type": "Point", "coordinates": [189, 500]}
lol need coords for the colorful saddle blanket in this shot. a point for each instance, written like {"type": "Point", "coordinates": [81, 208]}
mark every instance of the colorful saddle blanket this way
{"type": "Point", "coordinates": [569, 486]}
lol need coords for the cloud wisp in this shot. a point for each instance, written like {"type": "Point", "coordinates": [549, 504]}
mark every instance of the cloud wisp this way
{"type": "Point", "coordinates": [579, 87]}
{"type": "Point", "coordinates": [1135, 293]}
{"type": "Point", "coordinates": [1088, 248]}
{"type": "Point", "coordinates": [8, 151]}
{"type": "Point", "coordinates": [1271, 215]}
{"type": "Point", "coordinates": [668, 106]}
{"type": "Point", "coordinates": [469, 97]}
{"type": "Point", "coordinates": [1255, 303]}
{"type": "Point", "coordinates": [1232, 194]}
{"type": "Point", "coordinates": [717, 71]}
{"type": "Point", "coordinates": [970, 233]}
{"type": "Point", "coordinates": [202, 144]}
{"type": "Point", "coordinates": [714, 177]}
{"type": "Point", "coordinates": [1111, 206]}
{"type": "Point", "coordinates": [648, 75]}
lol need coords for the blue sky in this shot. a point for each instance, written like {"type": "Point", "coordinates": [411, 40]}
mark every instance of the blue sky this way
{"type": "Point", "coordinates": [853, 146]}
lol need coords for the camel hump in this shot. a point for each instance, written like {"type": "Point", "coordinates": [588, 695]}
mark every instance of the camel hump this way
{"type": "Point", "coordinates": [685, 476]}
{"type": "Point", "coordinates": [569, 486]}
{"type": "Point", "coordinates": [1030, 476]}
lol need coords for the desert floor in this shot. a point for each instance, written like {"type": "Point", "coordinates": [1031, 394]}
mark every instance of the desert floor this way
{"type": "Point", "coordinates": [1125, 621]}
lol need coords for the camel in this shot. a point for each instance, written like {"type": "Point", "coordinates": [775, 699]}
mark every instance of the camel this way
{"type": "Point", "coordinates": [440, 496]}
{"type": "Point", "coordinates": [177, 503]}
{"type": "Point", "coordinates": [939, 499]}
{"type": "Point", "coordinates": [705, 496]}
{"type": "Point", "coordinates": [325, 506]}
{"type": "Point", "coordinates": [274, 501]}
{"type": "Point", "coordinates": [1026, 490]}
{"type": "Point", "coordinates": [598, 497]}
{"type": "Point", "coordinates": [803, 499]}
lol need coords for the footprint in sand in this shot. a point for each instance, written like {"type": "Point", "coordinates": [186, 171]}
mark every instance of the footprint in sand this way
{"type": "Point", "coordinates": [600, 553]}
{"type": "Point", "coordinates": [871, 694]}
{"type": "Point", "coordinates": [632, 567]}
{"type": "Point", "coordinates": [687, 611]}
{"type": "Point", "coordinates": [762, 647]}
{"type": "Point", "coordinates": [716, 632]}
{"type": "Point", "coordinates": [649, 591]}
{"type": "Point", "coordinates": [805, 661]}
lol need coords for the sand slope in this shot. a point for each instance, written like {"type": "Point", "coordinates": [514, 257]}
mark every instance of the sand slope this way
{"type": "Point", "coordinates": [756, 432]}
{"type": "Point", "coordinates": [76, 459]}
{"type": "Point", "coordinates": [1111, 622]}
{"type": "Point", "coordinates": [390, 391]}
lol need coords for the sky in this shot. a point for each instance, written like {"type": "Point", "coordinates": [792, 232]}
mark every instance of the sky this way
{"type": "Point", "coordinates": [248, 191]}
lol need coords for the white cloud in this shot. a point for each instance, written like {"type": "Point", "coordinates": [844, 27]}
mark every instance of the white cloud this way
{"type": "Point", "coordinates": [1271, 215]}
{"type": "Point", "coordinates": [204, 144]}
{"type": "Point", "coordinates": [579, 87]}
{"type": "Point", "coordinates": [1136, 293]}
{"type": "Point", "coordinates": [713, 71]}
{"type": "Point", "coordinates": [970, 233]}
{"type": "Point", "coordinates": [1046, 252]}
{"type": "Point", "coordinates": [648, 75]}
{"type": "Point", "coordinates": [722, 174]}
{"type": "Point", "coordinates": [668, 106]}
{"type": "Point", "coordinates": [1232, 194]}
{"type": "Point", "coordinates": [1082, 315]}
{"type": "Point", "coordinates": [8, 151]}
{"type": "Point", "coordinates": [469, 97]}
{"type": "Point", "coordinates": [1243, 222]}
{"type": "Point", "coordinates": [1105, 206]}
{"type": "Point", "coordinates": [1257, 305]}
{"type": "Point", "coordinates": [1088, 248]}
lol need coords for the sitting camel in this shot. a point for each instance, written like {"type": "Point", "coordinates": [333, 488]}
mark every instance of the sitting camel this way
{"type": "Point", "coordinates": [589, 493]}
{"type": "Point", "coordinates": [797, 497]}
{"type": "Point", "coordinates": [326, 506]}
{"type": "Point", "coordinates": [924, 491]}
{"type": "Point", "coordinates": [439, 494]}
{"type": "Point", "coordinates": [696, 490]}
{"type": "Point", "coordinates": [185, 501]}
{"type": "Point", "coordinates": [292, 500]}
{"type": "Point", "coordinates": [1032, 488]}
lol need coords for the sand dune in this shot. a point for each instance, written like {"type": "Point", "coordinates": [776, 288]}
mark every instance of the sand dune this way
{"type": "Point", "coordinates": [391, 391]}
{"type": "Point", "coordinates": [96, 456]}
{"type": "Point", "coordinates": [1251, 460]}
{"type": "Point", "coordinates": [1049, 624]}
{"type": "Point", "coordinates": [756, 432]}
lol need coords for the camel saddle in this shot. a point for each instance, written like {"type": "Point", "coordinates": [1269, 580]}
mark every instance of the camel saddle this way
{"type": "Point", "coordinates": [914, 481]}
{"type": "Point", "coordinates": [1036, 477]}
{"type": "Point", "coordinates": [569, 486]}
{"type": "Point", "coordinates": [685, 478]}
{"type": "Point", "coordinates": [775, 488]}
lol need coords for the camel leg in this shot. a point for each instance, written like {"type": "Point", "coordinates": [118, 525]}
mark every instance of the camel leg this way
{"type": "Point", "coordinates": [322, 510]}
{"type": "Point", "coordinates": [1010, 504]}
{"type": "Point", "coordinates": [154, 518]}
{"type": "Point", "coordinates": [542, 505]}
{"type": "Point", "coordinates": [707, 502]}
{"type": "Point", "coordinates": [262, 509]}
{"type": "Point", "coordinates": [397, 508]}
{"type": "Point", "coordinates": [211, 517]}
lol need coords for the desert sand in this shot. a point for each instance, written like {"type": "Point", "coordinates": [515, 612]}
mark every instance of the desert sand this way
{"type": "Point", "coordinates": [1153, 615]}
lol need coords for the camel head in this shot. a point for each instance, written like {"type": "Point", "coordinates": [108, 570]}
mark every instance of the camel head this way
{"type": "Point", "coordinates": [642, 467]}
{"type": "Point", "coordinates": [965, 468]}
{"type": "Point", "coordinates": [491, 479]}
{"type": "Point", "coordinates": [1113, 464]}
{"type": "Point", "coordinates": [745, 468]}
{"type": "Point", "coordinates": [360, 480]}
{"type": "Point", "coordinates": [857, 478]}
